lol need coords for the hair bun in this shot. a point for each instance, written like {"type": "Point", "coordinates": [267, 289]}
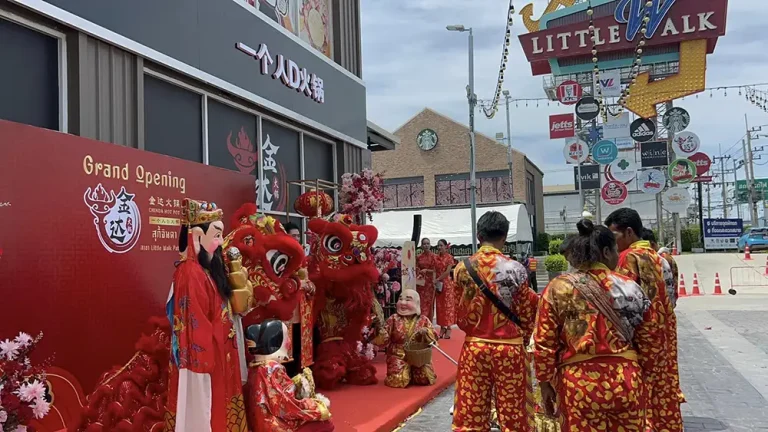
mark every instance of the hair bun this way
{"type": "Point", "coordinates": [585, 227]}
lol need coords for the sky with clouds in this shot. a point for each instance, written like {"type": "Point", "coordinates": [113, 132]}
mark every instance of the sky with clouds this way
{"type": "Point", "coordinates": [410, 61]}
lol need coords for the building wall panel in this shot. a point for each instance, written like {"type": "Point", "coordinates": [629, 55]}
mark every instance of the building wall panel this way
{"type": "Point", "coordinates": [346, 35]}
{"type": "Point", "coordinates": [108, 87]}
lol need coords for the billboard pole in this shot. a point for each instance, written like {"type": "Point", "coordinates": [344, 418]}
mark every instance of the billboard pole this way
{"type": "Point", "coordinates": [735, 191]}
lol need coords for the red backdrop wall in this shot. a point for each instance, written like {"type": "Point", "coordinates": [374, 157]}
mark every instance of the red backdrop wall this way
{"type": "Point", "coordinates": [56, 274]}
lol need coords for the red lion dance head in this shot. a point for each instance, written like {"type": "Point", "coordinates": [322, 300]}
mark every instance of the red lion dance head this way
{"type": "Point", "coordinates": [272, 258]}
{"type": "Point", "coordinates": [342, 267]}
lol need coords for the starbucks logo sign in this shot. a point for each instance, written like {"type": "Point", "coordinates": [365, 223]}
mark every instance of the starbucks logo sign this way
{"type": "Point", "coordinates": [426, 139]}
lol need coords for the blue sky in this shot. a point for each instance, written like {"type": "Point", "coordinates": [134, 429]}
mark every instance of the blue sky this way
{"type": "Point", "coordinates": [410, 62]}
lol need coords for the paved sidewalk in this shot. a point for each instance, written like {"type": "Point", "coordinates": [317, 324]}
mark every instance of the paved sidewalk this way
{"type": "Point", "coordinates": [723, 368]}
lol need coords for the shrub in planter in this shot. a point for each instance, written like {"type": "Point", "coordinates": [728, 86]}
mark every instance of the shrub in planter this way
{"type": "Point", "coordinates": [556, 265]}
{"type": "Point", "coordinates": [554, 246]}
{"type": "Point", "coordinates": [542, 242]}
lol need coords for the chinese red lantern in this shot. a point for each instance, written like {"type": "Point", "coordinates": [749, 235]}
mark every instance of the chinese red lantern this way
{"type": "Point", "coordinates": [313, 204]}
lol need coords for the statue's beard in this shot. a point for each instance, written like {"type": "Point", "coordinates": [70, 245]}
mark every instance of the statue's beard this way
{"type": "Point", "coordinates": [216, 268]}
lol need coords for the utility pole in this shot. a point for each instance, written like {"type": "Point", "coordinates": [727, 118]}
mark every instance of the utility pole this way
{"type": "Point", "coordinates": [722, 160]}
{"type": "Point", "coordinates": [751, 172]}
{"type": "Point", "coordinates": [735, 189]}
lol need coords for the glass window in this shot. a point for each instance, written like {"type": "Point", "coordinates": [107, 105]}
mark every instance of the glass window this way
{"type": "Point", "coordinates": [404, 193]}
{"type": "Point", "coordinates": [232, 142]}
{"type": "Point", "coordinates": [173, 122]}
{"type": "Point", "coordinates": [280, 162]}
{"type": "Point", "coordinates": [318, 159]}
{"type": "Point", "coordinates": [29, 88]}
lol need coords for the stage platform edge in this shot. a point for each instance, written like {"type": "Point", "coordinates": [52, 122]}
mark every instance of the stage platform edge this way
{"type": "Point", "coordinates": [382, 409]}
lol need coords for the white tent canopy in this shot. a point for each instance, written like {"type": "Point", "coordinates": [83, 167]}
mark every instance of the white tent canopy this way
{"type": "Point", "coordinates": [453, 225]}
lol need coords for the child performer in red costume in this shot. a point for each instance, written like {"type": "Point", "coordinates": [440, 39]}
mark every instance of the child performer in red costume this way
{"type": "Point", "coordinates": [205, 383]}
{"type": "Point", "coordinates": [497, 313]}
{"type": "Point", "coordinates": [641, 263]}
{"type": "Point", "coordinates": [594, 331]}
{"type": "Point", "coordinates": [403, 327]}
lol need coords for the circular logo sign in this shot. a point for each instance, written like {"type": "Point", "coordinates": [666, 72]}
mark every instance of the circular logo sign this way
{"type": "Point", "coordinates": [676, 200]}
{"type": "Point", "coordinates": [686, 143]}
{"type": "Point", "coordinates": [676, 120]}
{"type": "Point", "coordinates": [587, 109]}
{"type": "Point", "coordinates": [605, 152]}
{"type": "Point", "coordinates": [642, 130]}
{"type": "Point", "coordinates": [682, 171]}
{"type": "Point", "coordinates": [575, 151]}
{"type": "Point", "coordinates": [569, 92]}
{"type": "Point", "coordinates": [652, 181]}
{"type": "Point", "coordinates": [622, 169]}
{"type": "Point", "coordinates": [427, 139]}
{"type": "Point", "coordinates": [702, 162]}
{"type": "Point", "coordinates": [614, 192]}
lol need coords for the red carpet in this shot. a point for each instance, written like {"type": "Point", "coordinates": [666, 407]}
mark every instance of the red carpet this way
{"type": "Point", "coordinates": [380, 408]}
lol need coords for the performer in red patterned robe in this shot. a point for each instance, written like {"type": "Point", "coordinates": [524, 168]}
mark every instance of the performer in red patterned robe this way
{"type": "Point", "coordinates": [274, 402]}
{"type": "Point", "coordinates": [342, 269]}
{"type": "Point", "coordinates": [205, 384]}
{"type": "Point", "coordinates": [446, 295]}
{"type": "Point", "coordinates": [407, 325]}
{"type": "Point", "coordinates": [493, 360]}
{"type": "Point", "coordinates": [594, 360]}
{"type": "Point", "coordinates": [427, 266]}
{"type": "Point", "coordinates": [642, 264]}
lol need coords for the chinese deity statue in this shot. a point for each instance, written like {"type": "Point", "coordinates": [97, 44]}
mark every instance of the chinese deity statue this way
{"type": "Point", "coordinates": [278, 403]}
{"type": "Point", "coordinates": [205, 380]}
{"type": "Point", "coordinates": [406, 326]}
{"type": "Point", "coordinates": [341, 267]}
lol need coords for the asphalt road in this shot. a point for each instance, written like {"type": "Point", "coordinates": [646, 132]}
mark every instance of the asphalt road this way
{"type": "Point", "coordinates": [723, 351]}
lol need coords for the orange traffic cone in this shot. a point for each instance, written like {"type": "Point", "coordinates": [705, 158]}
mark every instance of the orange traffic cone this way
{"type": "Point", "coordinates": [681, 289]}
{"type": "Point", "coordinates": [747, 255]}
{"type": "Point", "coordinates": [766, 266]}
{"type": "Point", "coordinates": [718, 288]}
{"type": "Point", "coordinates": [674, 250]}
{"type": "Point", "coordinates": [695, 291]}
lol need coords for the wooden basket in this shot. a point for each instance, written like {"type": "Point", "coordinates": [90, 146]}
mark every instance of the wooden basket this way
{"type": "Point", "coordinates": [418, 354]}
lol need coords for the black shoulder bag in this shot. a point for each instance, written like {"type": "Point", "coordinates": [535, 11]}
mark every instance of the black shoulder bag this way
{"type": "Point", "coordinates": [489, 294]}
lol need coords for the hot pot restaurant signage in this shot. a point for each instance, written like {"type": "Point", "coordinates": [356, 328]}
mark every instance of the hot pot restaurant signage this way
{"type": "Point", "coordinates": [671, 21]}
{"type": "Point", "coordinates": [287, 71]}
{"type": "Point", "coordinates": [200, 39]}
{"type": "Point", "coordinates": [89, 240]}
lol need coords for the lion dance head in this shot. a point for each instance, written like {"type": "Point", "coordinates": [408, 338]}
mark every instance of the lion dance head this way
{"type": "Point", "coordinates": [272, 259]}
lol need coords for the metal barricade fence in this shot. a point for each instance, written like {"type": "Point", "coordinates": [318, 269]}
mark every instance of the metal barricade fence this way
{"type": "Point", "coordinates": [748, 277]}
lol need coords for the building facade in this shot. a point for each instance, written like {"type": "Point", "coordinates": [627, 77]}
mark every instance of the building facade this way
{"type": "Point", "coordinates": [269, 89]}
{"type": "Point", "coordinates": [430, 168]}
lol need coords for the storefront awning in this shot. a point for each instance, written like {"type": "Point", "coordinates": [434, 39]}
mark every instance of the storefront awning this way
{"type": "Point", "coordinates": [379, 139]}
{"type": "Point", "coordinates": [453, 225]}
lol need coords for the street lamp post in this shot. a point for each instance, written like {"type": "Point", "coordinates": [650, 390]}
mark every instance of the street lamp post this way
{"type": "Point", "coordinates": [507, 97]}
{"type": "Point", "coordinates": [472, 102]}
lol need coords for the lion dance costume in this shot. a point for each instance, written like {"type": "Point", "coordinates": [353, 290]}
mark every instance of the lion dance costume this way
{"type": "Point", "coordinates": [341, 267]}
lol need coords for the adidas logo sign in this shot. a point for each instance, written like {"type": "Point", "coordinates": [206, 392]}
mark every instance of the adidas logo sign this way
{"type": "Point", "coordinates": [643, 131]}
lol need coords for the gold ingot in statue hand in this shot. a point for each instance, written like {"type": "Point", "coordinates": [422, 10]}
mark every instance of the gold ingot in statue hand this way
{"type": "Point", "coordinates": [241, 301]}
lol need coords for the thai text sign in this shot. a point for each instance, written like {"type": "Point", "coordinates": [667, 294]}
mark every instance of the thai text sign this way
{"type": "Point", "coordinates": [722, 233]}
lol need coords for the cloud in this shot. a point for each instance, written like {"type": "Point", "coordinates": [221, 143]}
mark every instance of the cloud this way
{"type": "Point", "coordinates": [410, 61]}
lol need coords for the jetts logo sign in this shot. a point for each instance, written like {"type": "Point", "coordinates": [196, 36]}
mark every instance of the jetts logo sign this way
{"type": "Point", "coordinates": [561, 126]}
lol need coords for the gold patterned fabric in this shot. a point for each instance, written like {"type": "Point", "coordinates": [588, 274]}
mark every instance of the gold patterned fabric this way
{"type": "Point", "coordinates": [400, 331]}
{"type": "Point", "coordinates": [643, 265]}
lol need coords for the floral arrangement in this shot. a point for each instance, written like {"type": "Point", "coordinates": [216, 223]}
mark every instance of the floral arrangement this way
{"type": "Point", "coordinates": [362, 193]}
{"type": "Point", "coordinates": [386, 259]}
{"type": "Point", "coordinates": [366, 350]}
{"type": "Point", "coordinates": [22, 389]}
